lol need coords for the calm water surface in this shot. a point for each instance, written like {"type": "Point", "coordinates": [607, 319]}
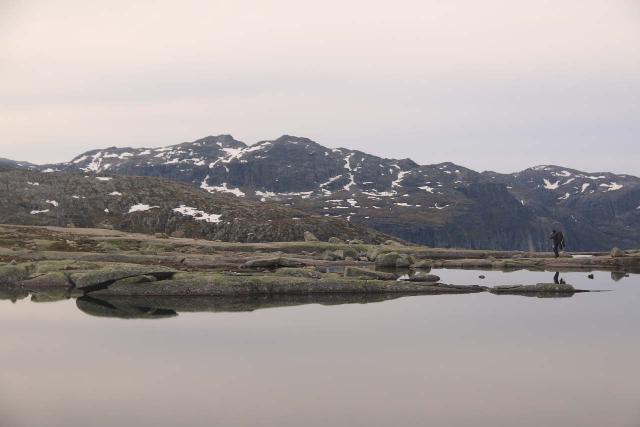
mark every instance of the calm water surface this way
{"type": "Point", "coordinates": [449, 360]}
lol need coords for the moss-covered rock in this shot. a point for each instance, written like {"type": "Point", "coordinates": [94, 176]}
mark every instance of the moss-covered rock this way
{"type": "Point", "coordinates": [56, 279]}
{"type": "Point", "coordinates": [109, 274]}
{"type": "Point", "coordinates": [387, 260]}
{"type": "Point", "coordinates": [11, 274]}
{"type": "Point", "coordinates": [221, 284]}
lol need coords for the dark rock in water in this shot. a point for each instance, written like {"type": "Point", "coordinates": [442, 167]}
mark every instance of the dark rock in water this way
{"type": "Point", "coordinates": [540, 288]}
{"type": "Point", "coordinates": [482, 276]}
{"type": "Point", "coordinates": [590, 276]}
{"type": "Point", "coordinates": [421, 276]}
{"type": "Point", "coordinates": [310, 237]}
{"type": "Point", "coordinates": [616, 253]}
{"type": "Point", "coordinates": [368, 274]}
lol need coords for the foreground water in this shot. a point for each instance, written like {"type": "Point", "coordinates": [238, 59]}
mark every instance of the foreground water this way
{"type": "Point", "coordinates": [447, 360]}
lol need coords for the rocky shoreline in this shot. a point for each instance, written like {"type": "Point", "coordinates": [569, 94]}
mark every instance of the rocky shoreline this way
{"type": "Point", "coordinates": [95, 263]}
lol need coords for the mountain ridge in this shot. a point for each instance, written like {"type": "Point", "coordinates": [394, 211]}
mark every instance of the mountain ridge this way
{"type": "Point", "coordinates": [441, 204]}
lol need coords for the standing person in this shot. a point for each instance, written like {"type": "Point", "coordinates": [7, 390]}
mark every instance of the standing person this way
{"type": "Point", "coordinates": [558, 241]}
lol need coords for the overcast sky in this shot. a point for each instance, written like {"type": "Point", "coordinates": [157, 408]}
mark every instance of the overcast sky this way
{"type": "Point", "coordinates": [493, 84]}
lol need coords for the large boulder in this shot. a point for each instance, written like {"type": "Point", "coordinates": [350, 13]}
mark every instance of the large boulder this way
{"type": "Point", "coordinates": [387, 260]}
{"type": "Point", "coordinates": [365, 273]}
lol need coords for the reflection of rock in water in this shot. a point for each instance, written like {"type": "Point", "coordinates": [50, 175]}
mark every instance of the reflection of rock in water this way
{"type": "Point", "coordinates": [102, 308]}
{"type": "Point", "coordinates": [132, 307]}
{"type": "Point", "coordinates": [50, 295]}
{"type": "Point", "coordinates": [617, 275]}
{"type": "Point", "coordinates": [13, 295]}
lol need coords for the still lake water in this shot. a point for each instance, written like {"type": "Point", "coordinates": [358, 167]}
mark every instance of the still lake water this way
{"type": "Point", "coordinates": [447, 360]}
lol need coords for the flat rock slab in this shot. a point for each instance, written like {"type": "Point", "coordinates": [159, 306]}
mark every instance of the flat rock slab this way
{"type": "Point", "coordinates": [110, 274]}
{"type": "Point", "coordinates": [539, 288]}
{"type": "Point", "coordinates": [221, 284]}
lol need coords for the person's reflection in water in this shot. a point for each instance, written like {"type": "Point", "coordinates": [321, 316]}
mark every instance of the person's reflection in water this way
{"type": "Point", "coordinates": [557, 279]}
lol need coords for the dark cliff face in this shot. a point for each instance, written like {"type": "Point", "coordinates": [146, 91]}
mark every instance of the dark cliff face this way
{"type": "Point", "coordinates": [439, 205]}
{"type": "Point", "coordinates": [151, 205]}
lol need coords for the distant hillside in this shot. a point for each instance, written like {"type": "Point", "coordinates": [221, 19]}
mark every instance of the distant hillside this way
{"type": "Point", "coordinates": [151, 205]}
{"type": "Point", "coordinates": [439, 205]}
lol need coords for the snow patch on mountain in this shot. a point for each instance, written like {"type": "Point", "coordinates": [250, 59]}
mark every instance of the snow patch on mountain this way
{"type": "Point", "coordinates": [197, 214]}
{"type": "Point", "coordinates": [141, 207]}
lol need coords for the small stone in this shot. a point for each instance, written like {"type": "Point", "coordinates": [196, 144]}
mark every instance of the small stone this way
{"type": "Point", "coordinates": [482, 276]}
